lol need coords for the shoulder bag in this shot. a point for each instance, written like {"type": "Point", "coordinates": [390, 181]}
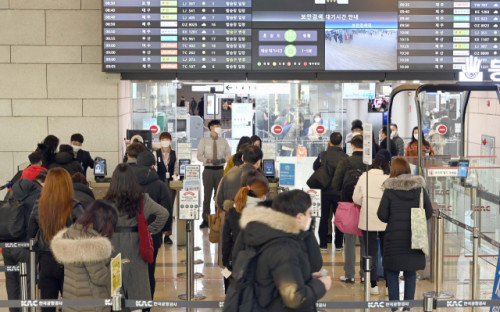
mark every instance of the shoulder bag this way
{"type": "Point", "coordinates": [419, 238]}
{"type": "Point", "coordinates": [145, 239]}
{"type": "Point", "coordinates": [347, 218]}
{"type": "Point", "coordinates": [321, 178]}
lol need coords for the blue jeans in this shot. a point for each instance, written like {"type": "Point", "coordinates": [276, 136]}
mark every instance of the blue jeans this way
{"type": "Point", "coordinates": [393, 284]}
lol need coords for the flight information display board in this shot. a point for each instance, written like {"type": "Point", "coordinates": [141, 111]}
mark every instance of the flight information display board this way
{"type": "Point", "coordinates": [297, 35]}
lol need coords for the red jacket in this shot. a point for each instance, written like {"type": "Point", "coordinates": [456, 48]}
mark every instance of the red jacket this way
{"type": "Point", "coordinates": [31, 172]}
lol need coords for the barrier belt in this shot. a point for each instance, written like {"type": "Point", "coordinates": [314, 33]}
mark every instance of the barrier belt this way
{"type": "Point", "coordinates": [42, 303]}
{"type": "Point", "coordinates": [9, 268]}
{"type": "Point", "coordinates": [15, 245]}
{"type": "Point", "coordinates": [471, 229]}
{"type": "Point", "coordinates": [143, 304]}
{"type": "Point", "coordinates": [467, 303]}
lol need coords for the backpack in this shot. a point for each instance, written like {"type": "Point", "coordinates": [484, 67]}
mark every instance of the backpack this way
{"type": "Point", "coordinates": [351, 178]}
{"type": "Point", "coordinates": [241, 295]}
{"type": "Point", "coordinates": [12, 227]}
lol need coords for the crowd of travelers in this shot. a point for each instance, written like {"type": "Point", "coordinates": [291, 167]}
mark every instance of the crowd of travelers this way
{"type": "Point", "coordinates": [268, 242]}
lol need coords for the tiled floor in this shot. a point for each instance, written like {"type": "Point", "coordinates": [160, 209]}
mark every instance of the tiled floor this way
{"type": "Point", "coordinates": [456, 274]}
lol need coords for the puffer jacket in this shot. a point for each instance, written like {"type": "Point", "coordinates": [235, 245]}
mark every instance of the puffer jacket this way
{"type": "Point", "coordinates": [83, 194]}
{"type": "Point", "coordinates": [284, 278]}
{"type": "Point", "coordinates": [401, 194]}
{"type": "Point", "coordinates": [67, 161]}
{"type": "Point", "coordinates": [375, 179]}
{"type": "Point", "coordinates": [85, 255]}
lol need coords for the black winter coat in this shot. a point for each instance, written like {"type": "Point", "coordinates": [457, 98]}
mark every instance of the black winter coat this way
{"type": "Point", "coordinates": [284, 277]}
{"type": "Point", "coordinates": [48, 157]}
{"type": "Point", "coordinates": [400, 195]}
{"type": "Point", "coordinates": [28, 192]}
{"type": "Point", "coordinates": [65, 160]}
{"type": "Point", "coordinates": [333, 155]}
{"type": "Point", "coordinates": [394, 148]}
{"type": "Point", "coordinates": [156, 189]}
{"type": "Point", "coordinates": [83, 157]}
{"type": "Point", "coordinates": [83, 194]}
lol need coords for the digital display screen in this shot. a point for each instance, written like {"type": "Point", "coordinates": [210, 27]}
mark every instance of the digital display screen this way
{"type": "Point", "coordinates": [100, 169]}
{"type": "Point", "coordinates": [269, 167]}
{"type": "Point", "coordinates": [297, 35]}
{"type": "Point", "coordinates": [182, 166]}
{"type": "Point", "coordinates": [463, 168]}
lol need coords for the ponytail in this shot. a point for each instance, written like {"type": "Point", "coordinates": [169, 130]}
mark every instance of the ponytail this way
{"type": "Point", "coordinates": [240, 200]}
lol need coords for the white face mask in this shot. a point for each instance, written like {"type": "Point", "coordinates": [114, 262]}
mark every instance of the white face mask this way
{"type": "Point", "coordinates": [394, 134]}
{"type": "Point", "coordinates": [218, 130]}
{"type": "Point", "coordinates": [317, 120]}
{"type": "Point", "coordinates": [165, 143]}
{"type": "Point", "coordinates": [415, 136]}
{"type": "Point", "coordinates": [380, 138]}
{"type": "Point", "coordinates": [76, 148]}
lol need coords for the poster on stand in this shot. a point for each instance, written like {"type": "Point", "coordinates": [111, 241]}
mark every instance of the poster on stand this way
{"type": "Point", "coordinates": [189, 203]}
{"type": "Point", "coordinates": [315, 202]}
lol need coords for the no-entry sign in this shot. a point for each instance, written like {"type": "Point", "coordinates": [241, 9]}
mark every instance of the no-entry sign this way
{"type": "Point", "coordinates": [442, 129]}
{"type": "Point", "coordinates": [154, 129]}
{"type": "Point", "coordinates": [277, 129]}
{"type": "Point", "coordinates": [320, 129]}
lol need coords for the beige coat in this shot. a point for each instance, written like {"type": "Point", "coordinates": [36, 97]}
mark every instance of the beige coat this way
{"type": "Point", "coordinates": [375, 179]}
{"type": "Point", "coordinates": [85, 256]}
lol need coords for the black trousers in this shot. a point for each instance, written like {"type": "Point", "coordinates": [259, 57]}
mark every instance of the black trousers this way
{"type": "Point", "coordinates": [329, 203]}
{"type": "Point", "coordinates": [157, 241]}
{"type": "Point", "coordinates": [370, 239]}
{"type": "Point", "coordinates": [51, 278]}
{"type": "Point", "coordinates": [13, 257]}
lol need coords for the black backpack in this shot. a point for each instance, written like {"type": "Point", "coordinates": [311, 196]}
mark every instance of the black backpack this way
{"type": "Point", "coordinates": [351, 178]}
{"type": "Point", "coordinates": [241, 295]}
{"type": "Point", "coordinates": [12, 226]}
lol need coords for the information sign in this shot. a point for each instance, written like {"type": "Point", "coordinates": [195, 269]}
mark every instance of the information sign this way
{"type": "Point", "coordinates": [116, 274]}
{"type": "Point", "coordinates": [287, 174]}
{"type": "Point", "coordinates": [189, 204]}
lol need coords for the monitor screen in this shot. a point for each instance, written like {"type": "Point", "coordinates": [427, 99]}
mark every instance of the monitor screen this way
{"type": "Point", "coordinates": [268, 165]}
{"type": "Point", "coordinates": [182, 166]}
{"type": "Point", "coordinates": [181, 125]}
{"type": "Point", "coordinates": [100, 168]}
{"type": "Point", "coordinates": [463, 166]}
{"type": "Point", "coordinates": [146, 135]}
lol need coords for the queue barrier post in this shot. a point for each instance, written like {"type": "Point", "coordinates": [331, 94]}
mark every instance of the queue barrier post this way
{"type": "Point", "coordinates": [428, 303]}
{"type": "Point", "coordinates": [32, 271]}
{"type": "Point", "coordinates": [117, 302]}
{"type": "Point", "coordinates": [367, 263]}
{"type": "Point", "coordinates": [23, 275]}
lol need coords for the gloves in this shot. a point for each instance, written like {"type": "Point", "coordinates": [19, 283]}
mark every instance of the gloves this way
{"type": "Point", "coordinates": [216, 162]}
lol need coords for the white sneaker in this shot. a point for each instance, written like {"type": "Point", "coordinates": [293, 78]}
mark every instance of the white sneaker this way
{"type": "Point", "coordinates": [374, 290]}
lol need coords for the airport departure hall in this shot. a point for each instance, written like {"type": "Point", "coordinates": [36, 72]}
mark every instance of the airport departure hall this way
{"type": "Point", "coordinates": [249, 155]}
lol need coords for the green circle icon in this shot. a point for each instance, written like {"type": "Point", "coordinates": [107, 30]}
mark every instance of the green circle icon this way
{"type": "Point", "coordinates": [290, 35]}
{"type": "Point", "coordinates": [290, 50]}
{"type": "Point", "coordinates": [259, 64]}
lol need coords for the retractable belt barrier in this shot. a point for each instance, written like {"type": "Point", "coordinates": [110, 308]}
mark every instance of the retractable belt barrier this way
{"type": "Point", "coordinates": [471, 229]}
{"type": "Point", "coordinates": [15, 245]}
{"type": "Point", "coordinates": [134, 304]}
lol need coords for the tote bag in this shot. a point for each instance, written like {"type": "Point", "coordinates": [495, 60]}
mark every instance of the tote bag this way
{"type": "Point", "coordinates": [419, 227]}
{"type": "Point", "coordinates": [347, 218]}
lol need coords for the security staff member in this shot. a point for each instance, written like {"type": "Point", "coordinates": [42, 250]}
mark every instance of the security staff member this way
{"type": "Point", "coordinates": [213, 152]}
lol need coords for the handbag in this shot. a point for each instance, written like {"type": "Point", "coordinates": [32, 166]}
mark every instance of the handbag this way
{"type": "Point", "coordinates": [419, 238]}
{"type": "Point", "coordinates": [214, 225]}
{"type": "Point", "coordinates": [321, 178]}
{"type": "Point", "coordinates": [145, 239]}
{"type": "Point", "coordinates": [347, 218]}
{"type": "Point", "coordinates": [12, 227]}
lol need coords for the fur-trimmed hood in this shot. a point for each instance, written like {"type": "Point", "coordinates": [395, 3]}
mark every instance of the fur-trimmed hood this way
{"type": "Point", "coordinates": [251, 202]}
{"type": "Point", "coordinates": [404, 182]}
{"type": "Point", "coordinates": [272, 218]}
{"type": "Point", "coordinates": [72, 246]}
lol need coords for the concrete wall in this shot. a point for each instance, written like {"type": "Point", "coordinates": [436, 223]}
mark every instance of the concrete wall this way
{"type": "Point", "coordinates": [51, 80]}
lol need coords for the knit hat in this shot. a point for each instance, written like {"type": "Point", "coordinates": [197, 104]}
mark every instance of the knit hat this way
{"type": "Point", "coordinates": [146, 159]}
{"type": "Point", "coordinates": [383, 154]}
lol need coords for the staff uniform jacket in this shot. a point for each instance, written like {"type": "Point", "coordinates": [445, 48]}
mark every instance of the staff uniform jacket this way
{"type": "Point", "coordinates": [284, 276]}
{"type": "Point", "coordinates": [85, 255]}
{"type": "Point", "coordinates": [375, 179]}
{"type": "Point", "coordinates": [85, 160]}
{"type": "Point", "coordinates": [135, 273]}
{"type": "Point", "coordinates": [160, 164]}
{"type": "Point", "coordinates": [401, 194]}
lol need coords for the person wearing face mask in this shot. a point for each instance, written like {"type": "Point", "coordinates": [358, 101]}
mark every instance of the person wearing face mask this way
{"type": "Point", "coordinates": [83, 157]}
{"type": "Point", "coordinates": [397, 140]}
{"type": "Point", "coordinates": [213, 152]}
{"type": "Point", "coordinates": [285, 278]}
{"type": "Point", "coordinates": [412, 148]}
{"type": "Point", "coordinates": [165, 158]}
{"type": "Point", "coordinates": [382, 136]}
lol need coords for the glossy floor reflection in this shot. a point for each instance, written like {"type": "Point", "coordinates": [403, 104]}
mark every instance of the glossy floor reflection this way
{"type": "Point", "coordinates": [457, 266]}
